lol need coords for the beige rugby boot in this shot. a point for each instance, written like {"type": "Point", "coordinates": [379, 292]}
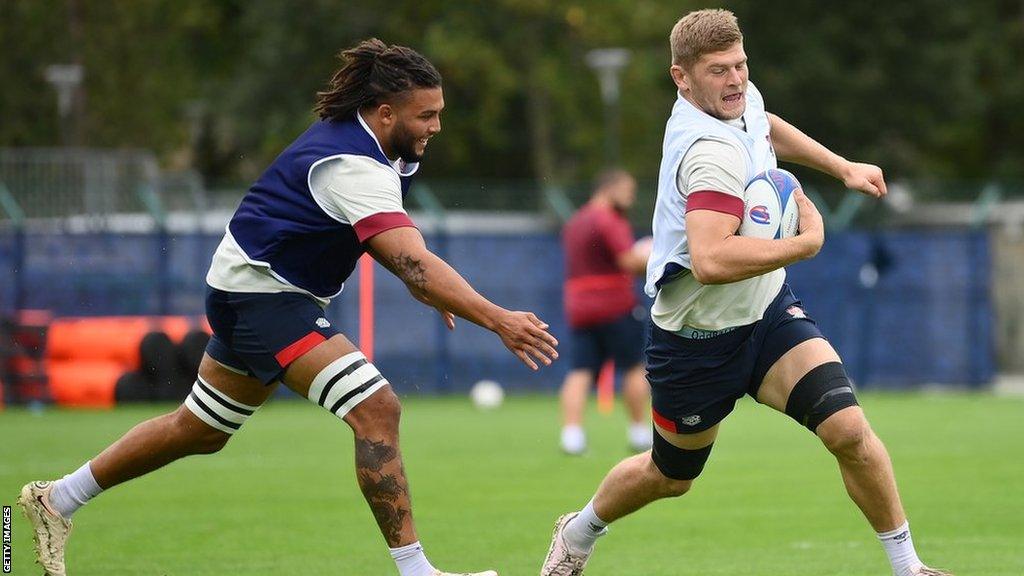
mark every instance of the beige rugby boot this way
{"type": "Point", "coordinates": [562, 560]}
{"type": "Point", "coordinates": [50, 528]}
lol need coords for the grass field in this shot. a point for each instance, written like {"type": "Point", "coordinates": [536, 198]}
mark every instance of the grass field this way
{"type": "Point", "coordinates": [281, 499]}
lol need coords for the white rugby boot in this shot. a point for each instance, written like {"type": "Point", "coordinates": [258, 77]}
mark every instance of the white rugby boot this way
{"type": "Point", "coordinates": [563, 560]}
{"type": "Point", "coordinates": [487, 573]}
{"type": "Point", "coordinates": [50, 528]}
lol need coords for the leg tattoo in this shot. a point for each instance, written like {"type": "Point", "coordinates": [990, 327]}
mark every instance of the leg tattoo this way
{"type": "Point", "coordinates": [386, 491]}
{"type": "Point", "coordinates": [373, 454]}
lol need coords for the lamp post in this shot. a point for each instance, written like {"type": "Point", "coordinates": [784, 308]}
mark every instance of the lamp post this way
{"type": "Point", "coordinates": [608, 63]}
{"type": "Point", "coordinates": [65, 78]}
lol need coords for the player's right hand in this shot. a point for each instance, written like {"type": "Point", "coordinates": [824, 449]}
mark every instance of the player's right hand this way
{"type": "Point", "coordinates": [527, 337]}
{"type": "Point", "coordinates": [811, 229]}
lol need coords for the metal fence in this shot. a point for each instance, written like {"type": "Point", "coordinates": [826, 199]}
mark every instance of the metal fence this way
{"type": "Point", "coordinates": [86, 187]}
{"type": "Point", "coordinates": [105, 232]}
{"type": "Point", "coordinates": [51, 183]}
{"type": "Point", "coordinates": [902, 307]}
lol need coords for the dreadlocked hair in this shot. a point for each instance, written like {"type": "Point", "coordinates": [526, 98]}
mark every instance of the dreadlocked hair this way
{"type": "Point", "coordinates": [373, 73]}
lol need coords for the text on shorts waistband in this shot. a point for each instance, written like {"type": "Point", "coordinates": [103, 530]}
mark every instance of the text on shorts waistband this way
{"type": "Point", "coordinates": [700, 334]}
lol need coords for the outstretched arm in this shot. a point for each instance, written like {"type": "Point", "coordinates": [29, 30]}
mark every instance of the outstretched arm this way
{"type": "Point", "coordinates": [431, 280]}
{"type": "Point", "coordinates": [792, 145]}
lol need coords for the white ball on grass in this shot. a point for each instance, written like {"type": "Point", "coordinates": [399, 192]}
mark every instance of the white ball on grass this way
{"type": "Point", "coordinates": [487, 394]}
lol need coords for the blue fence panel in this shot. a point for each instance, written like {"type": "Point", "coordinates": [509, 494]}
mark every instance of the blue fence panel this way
{"type": "Point", "coordinates": [91, 274]}
{"type": "Point", "coordinates": [10, 252]}
{"type": "Point", "coordinates": [928, 319]}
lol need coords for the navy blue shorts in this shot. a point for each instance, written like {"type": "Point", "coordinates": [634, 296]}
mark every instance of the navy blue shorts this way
{"type": "Point", "coordinates": [621, 340]}
{"type": "Point", "coordinates": [695, 383]}
{"type": "Point", "coordinates": [261, 334]}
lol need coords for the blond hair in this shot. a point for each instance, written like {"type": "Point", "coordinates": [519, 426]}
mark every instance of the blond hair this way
{"type": "Point", "coordinates": [701, 32]}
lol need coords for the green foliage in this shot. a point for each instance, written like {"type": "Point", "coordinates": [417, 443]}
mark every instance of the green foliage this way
{"type": "Point", "coordinates": [926, 88]}
{"type": "Point", "coordinates": [901, 84]}
{"type": "Point", "coordinates": [31, 34]}
{"type": "Point", "coordinates": [144, 63]}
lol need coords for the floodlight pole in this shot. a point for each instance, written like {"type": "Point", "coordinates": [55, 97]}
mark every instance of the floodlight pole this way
{"type": "Point", "coordinates": [65, 78]}
{"type": "Point", "coordinates": [608, 63]}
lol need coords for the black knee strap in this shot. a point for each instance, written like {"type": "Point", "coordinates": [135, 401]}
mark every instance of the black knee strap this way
{"type": "Point", "coordinates": [821, 393]}
{"type": "Point", "coordinates": [677, 463]}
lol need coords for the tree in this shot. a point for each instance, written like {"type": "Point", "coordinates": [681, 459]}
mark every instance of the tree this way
{"type": "Point", "coordinates": [927, 88]}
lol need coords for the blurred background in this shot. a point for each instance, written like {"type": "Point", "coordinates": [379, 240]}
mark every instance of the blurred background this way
{"type": "Point", "coordinates": [129, 131]}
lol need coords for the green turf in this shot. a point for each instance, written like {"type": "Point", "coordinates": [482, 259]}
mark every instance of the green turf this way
{"type": "Point", "coordinates": [282, 499]}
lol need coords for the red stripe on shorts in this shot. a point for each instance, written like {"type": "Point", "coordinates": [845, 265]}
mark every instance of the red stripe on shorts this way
{"type": "Point", "coordinates": [298, 348]}
{"type": "Point", "coordinates": [662, 422]}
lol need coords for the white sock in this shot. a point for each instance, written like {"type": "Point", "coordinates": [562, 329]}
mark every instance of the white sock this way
{"type": "Point", "coordinates": [411, 561]}
{"type": "Point", "coordinates": [583, 531]}
{"type": "Point", "coordinates": [72, 491]}
{"type": "Point", "coordinates": [900, 547]}
{"type": "Point", "coordinates": [641, 436]}
{"type": "Point", "coordinates": [574, 440]}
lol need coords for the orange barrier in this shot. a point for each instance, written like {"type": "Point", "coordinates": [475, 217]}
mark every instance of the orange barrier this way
{"type": "Point", "coordinates": [84, 383]}
{"type": "Point", "coordinates": [86, 356]}
{"type": "Point", "coordinates": [114, 338]}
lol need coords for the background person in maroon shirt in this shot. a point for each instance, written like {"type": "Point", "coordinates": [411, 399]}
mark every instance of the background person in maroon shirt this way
{"type": "Point", "coordinates": [601, 263]}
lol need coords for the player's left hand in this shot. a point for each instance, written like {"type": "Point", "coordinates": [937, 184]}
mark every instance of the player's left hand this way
{"type": "Point", "coordinates": [448, 317]}
{"type": "Point", "coordinates": [867, 178]}
{"type": "Point", "coordinates": [527, 337]}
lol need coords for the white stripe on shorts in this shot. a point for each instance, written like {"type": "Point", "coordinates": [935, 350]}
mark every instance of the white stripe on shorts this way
{"type": "Point", "coordinates": [231, 368]}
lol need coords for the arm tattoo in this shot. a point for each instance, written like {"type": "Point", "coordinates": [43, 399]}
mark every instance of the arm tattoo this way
{"type": "Point", "coordinates": [409, 269]}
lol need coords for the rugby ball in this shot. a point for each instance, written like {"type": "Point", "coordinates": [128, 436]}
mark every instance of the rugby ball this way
{"type": "Point", "coordinates": [770, 210]}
